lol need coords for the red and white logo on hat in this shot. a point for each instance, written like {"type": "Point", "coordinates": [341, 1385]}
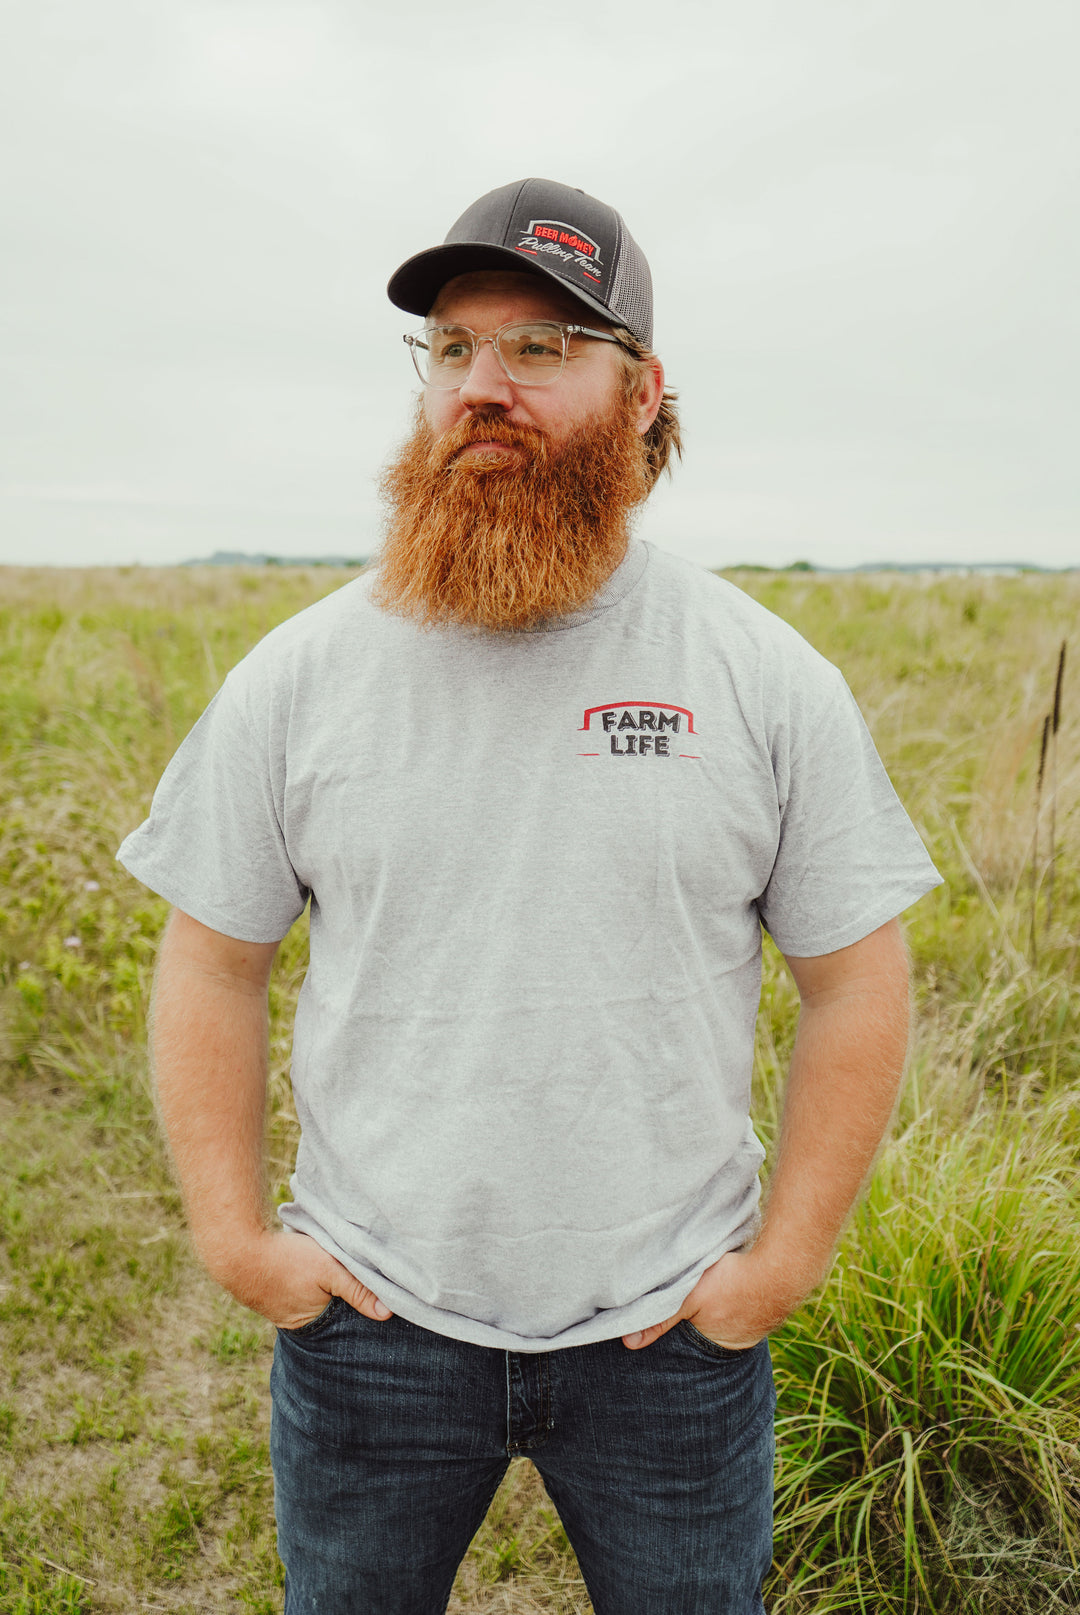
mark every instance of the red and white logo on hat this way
{"type": "Point", "coordinates": [554, 238]}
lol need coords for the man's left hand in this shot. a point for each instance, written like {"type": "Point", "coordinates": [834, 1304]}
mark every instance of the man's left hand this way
{"type": "Point", "coordinates": [736, 1302]}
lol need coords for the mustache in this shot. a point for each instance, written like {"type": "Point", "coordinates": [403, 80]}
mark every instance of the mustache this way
{"type": "Point", "coordinates": [481, 428]}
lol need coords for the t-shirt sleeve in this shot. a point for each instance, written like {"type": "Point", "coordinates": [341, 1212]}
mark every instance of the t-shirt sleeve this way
{"type": "Point", "coordinates": [849, 858]}
{"type": "Point", "coordinates": [213, 844]}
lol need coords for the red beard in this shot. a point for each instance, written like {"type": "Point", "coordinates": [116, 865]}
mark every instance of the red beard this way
{"type": "Point", "coordinates": [507, 541]}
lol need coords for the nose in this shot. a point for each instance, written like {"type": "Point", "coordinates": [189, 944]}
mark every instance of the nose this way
{"type": "Point", "coordinates": [487, 382]}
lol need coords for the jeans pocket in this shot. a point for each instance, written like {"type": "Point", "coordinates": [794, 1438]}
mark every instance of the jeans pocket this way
{"type": "Point", "coordinates": [321, 1319]}
{"type": "Point", "coordinates": [712, 1347]}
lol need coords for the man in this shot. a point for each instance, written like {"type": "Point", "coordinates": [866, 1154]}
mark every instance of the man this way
{"type": "Point", "coordinates": [543, 786]}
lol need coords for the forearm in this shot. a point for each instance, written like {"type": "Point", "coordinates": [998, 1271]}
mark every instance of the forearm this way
{"type": "Point", "coordinates": [209, 1030]}
{"type": "Point", "coordinates": [845, 1073]}
{"type": "Point", "coordinates": [209, 1047]}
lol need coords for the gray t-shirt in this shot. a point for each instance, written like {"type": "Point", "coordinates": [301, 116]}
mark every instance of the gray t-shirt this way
{"type": "Point", "coordinates": [538, 866]}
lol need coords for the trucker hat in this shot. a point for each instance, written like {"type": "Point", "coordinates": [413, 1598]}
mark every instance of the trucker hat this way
{"type": "Point", "coordinates": [546, 229]}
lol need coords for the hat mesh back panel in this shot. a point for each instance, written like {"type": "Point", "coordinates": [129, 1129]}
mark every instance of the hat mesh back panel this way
{"type": "Point", "coordinates": [631, 288]}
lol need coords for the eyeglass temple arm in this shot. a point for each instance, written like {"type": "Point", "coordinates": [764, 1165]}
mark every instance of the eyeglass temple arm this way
{"type": "Point", "coordinates": [601, 336]}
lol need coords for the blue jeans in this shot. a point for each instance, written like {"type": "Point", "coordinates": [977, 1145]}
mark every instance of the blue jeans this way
{"type": "Point", "coordinates": [389, 1442]}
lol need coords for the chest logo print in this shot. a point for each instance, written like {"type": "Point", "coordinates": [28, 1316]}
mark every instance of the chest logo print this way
{"type": "Point", "coordinates": [640, 729]}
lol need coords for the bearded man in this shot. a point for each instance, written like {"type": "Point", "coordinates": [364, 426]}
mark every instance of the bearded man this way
{"type": "Point", "coordinates": [543, 785]}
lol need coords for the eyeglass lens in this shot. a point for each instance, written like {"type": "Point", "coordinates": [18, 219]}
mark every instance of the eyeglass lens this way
{"type": "Point", "coordinates": [530, 353]}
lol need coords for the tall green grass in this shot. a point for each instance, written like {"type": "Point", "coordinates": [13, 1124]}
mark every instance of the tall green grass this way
{"type": "Point", "coordinates": [931, 1443]}
{"type": "Point", "coordinates": [929, 1394]}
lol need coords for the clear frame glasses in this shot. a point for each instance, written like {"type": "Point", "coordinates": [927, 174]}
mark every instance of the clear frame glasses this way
{"type": "Point", "coordinates": [532, 353]}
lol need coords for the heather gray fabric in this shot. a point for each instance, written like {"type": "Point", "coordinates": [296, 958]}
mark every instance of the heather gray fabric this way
{"type": "Point", "coordinates": [538, 866]}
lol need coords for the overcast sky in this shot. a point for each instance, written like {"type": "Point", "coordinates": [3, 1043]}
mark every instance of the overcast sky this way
{"type": "Point", "coordinates": [861, 218]}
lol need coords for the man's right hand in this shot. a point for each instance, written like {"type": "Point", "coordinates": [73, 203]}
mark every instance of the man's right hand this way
{"type": "Point", "coordinates": [290, 1279]}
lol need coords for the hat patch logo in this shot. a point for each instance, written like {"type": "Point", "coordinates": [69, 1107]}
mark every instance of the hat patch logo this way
{"type": "Point", "coordinates": [553, 237]}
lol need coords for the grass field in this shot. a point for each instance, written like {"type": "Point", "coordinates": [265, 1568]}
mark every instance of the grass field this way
{"type": "Point", "coordinates": [929, 1395]}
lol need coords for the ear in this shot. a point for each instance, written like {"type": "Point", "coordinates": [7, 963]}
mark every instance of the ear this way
{"type": "Point", "coordinates": [649, 394]}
